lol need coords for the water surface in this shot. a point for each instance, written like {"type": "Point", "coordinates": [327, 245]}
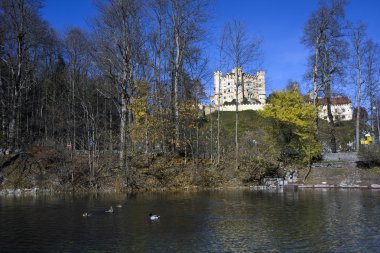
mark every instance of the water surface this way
{"type": "Point", "coordinates": [217, 221]}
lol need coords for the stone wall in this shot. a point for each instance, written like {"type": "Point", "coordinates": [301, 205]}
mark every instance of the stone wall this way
{"type": "Point", "coordinates": [342, 156]}
{"type": "Point", "coordinates": [232, 108]}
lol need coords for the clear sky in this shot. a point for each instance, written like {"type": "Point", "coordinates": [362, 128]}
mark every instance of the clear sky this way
{"type": "Point", "coordinates": [279, 23]}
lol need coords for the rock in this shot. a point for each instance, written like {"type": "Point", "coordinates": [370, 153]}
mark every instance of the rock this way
{"type": "Point", "coordinates": [323, 186]}
{"type": "Point", "coordinates": [375, 186]}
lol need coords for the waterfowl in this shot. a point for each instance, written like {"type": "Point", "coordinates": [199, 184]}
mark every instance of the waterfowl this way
{"type": "Point", "coordinates": [153, 217]}
{"type": "Point", "coordinates": [119, 206]}
{"type": "Point", "coordinates": [86, 214]}
{"type": "Point", "coordinates": [110, 210]}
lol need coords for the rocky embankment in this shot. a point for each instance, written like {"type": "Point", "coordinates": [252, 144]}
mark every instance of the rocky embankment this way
{"type": "Point", "coordinates": [342, 170]}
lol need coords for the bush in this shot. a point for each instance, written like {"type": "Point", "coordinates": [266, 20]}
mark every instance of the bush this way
{"type": "Point", "coordinates": [369, 156]}
{"type": "Point", "coordinates": [254, 170]}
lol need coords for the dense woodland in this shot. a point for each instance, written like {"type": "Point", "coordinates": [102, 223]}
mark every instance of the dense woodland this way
{"type": "Point", "coordinates": [118, 106]}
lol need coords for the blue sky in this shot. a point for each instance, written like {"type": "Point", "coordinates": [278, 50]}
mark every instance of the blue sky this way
{"type": "Point", "coordinates": [279, 23]}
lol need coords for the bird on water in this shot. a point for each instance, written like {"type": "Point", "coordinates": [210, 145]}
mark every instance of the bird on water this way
{"type": "Point", "coordinates": [154, 217]}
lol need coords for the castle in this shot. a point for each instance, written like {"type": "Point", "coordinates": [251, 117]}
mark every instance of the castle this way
{"type": "Point", "coordinates": [252, 95]}
{"type": "Point", "coordinates": [251, 90]}
{"type": "Point", "coordinates": [341, 108]}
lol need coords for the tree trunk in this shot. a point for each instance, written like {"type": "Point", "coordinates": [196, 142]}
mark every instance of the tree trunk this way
{"type": "Point", "coordinates": [331, 118]}
{"type": "Point", "coordinates": [237, 122]}
{"type": "Point", "coordinates": [73, 110]}
{"type": "Point", "coordinates": [176, 84]}
{"type": "Point", "coordinates": [377, 120]}
{"type": "Point", "coordinates": [123, 131]}
{"type": "Point", "coordinates": [219, 119]}
{"type": "Point", "coordinates": [358, 102]}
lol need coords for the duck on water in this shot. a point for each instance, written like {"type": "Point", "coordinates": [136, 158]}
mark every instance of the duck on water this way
{"type": "Point", "coordinates": [154, 217]}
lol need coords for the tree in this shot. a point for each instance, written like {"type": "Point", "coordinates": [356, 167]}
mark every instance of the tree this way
{"type": "Point", "coordinates": [293, 128]}
{"type": "Point", "coordinates": [371, 64]}
{"type": "Point", "coordinates": [24, 35]}
{"type": "Point", "coordinates": [357, 39]}
{"type": "Point", "coordinates": [157, 44]}
{"type": "Point", "coordinates": [240, 49]}
{"type": "Point", "coordinates": [77, 47]}
{"type": "Point", "coordinates": [221, 51]}
{"type": "Point", "coordinates": [185, 32]}
{"type": "Point", "coordinates": [119, 47]}
{"type": "Point", "coordinates": [323, 34]}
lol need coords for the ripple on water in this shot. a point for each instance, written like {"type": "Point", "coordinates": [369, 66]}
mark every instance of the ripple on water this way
{"type": "Point", "coordinates": [238, 221]}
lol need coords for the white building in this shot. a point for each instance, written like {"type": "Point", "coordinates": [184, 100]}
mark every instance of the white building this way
{"type": "Point", "coordinates": [341, 108]}
{"type": "Point", "coordinates": [251, 90]}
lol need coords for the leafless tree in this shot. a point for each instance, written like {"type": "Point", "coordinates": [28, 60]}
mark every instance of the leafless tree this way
{"type": "Point", "coordinates": [185, 31]}
{"type": "Point", "coordinates": [120, 44]}
{"type": "Point", "coordinates": [316, 30]}
{"type": "Point", "coordinates": [323, 33]}
{"type": "Point", "coordinates": [25, 35]}
{"type": "Point", "coordinates": [357, 36]}
{"type": "Point", "coordinates": [241, 49]}
{"type": "Point", "coordinates": [218, 92]}
{"type": "Point", "coordinates": [77, 47]}
{"type": "Point", "coordinates": [371, 65]}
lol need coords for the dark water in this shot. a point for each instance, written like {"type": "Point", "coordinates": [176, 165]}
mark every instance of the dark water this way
{"type": "Point", "coordinates": [230, 221]}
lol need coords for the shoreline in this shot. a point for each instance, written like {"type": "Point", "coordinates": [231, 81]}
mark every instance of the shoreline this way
{"type": "Point", "coordinates": [290, 187]}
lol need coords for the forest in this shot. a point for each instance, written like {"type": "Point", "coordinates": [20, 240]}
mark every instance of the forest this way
{"type": "Point", "coordinates": [118, 107]}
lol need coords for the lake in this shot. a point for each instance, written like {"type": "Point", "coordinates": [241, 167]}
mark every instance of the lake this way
{"type": "Point", "coordinates": [323, 220]}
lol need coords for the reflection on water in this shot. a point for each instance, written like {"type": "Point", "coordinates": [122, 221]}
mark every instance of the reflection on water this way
{"type": "Point", "coordinates": [228, 221]}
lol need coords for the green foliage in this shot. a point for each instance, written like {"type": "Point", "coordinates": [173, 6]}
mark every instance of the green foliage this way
{"type": "Point", "coordinates": [369, 155]}
{"type": "Point", "coordinates": [292, 130]}
{"type": "Point", "coordinates": [344, 131]}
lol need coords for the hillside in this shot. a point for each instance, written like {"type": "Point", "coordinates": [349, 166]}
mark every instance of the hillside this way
{"type": "Point", "coordinates": [248, 121]}
{"type": "Point", "coordinates": [252, 120]}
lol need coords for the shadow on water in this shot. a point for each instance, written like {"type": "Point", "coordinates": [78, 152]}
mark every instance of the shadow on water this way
{"type": "Point", "coordinates": [210, 221]}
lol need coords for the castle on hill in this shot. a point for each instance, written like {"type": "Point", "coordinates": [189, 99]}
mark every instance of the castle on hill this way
{"type": "Point", "coordinates": [252, 95]}
{"type": "Point", "coordinates": [251, 90]}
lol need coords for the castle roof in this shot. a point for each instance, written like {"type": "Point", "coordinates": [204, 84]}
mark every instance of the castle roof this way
{"type": "Point", "coordinates": [335, 101]}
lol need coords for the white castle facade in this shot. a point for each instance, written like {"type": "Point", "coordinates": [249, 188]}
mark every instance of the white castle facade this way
{"type": "Point", "coordinates": [341, 109]}
{"type": "Point", "coordinates": [251, 90]}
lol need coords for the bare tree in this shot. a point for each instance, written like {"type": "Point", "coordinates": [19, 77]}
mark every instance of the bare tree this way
{"type": "Point", "coordinates": [77, 47]}
{"type": "Point", "coordinates": [221, 55]}
{"type": "Point", "coordinates": [358, 42]}
{"type": "Point", "coordinates": [185, 31]}
{"type": "Point", "coordinates": [241, 49]}
{"type": "Point", "coordinates": [18, 16]}
{"type": "Point", "coordinates": [371, 64]}
{"type": "Point", "coordinates": [25, 39]}
{"type": "Point", "coordinates": [315, 32]}
{"type": "Point", "coordinates": [119, 44]}
{"type": "Point", "coordinates": [323, 34]}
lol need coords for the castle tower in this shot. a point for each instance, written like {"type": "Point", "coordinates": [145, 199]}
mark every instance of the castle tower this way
{"type": "Point", "coordinates": [251, 88]}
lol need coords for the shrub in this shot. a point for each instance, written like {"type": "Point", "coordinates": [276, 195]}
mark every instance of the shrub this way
{"type": "Point", "coordinates": [369, 156]}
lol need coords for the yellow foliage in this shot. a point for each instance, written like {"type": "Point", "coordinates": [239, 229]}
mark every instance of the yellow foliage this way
{"type": "Point", "coordinates": [295, 121]}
